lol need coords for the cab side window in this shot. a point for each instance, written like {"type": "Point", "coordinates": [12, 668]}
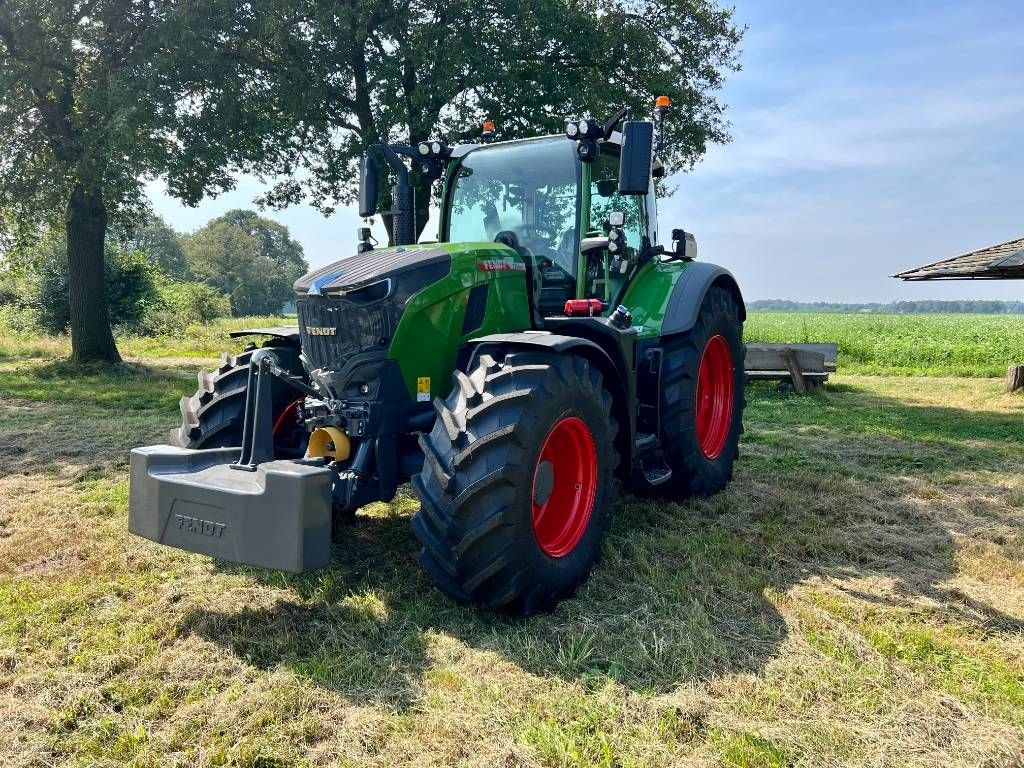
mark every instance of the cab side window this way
{"type": "Point", "coordinates": [605, 198]}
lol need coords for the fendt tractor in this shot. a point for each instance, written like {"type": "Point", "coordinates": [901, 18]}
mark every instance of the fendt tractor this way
{"type": "Point", "coordinates": [543, 352]}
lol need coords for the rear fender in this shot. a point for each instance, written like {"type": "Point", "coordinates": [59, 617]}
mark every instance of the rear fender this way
{"type": "Point", "coordinates": [689, 292]}
{"type": "Point", "coordinates": [616, 374]}
{"type": "Point", "coordinates": [665, 296]}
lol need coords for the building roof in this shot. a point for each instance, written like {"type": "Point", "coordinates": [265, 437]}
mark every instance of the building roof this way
{"type": "Point", "coordinates": [997, 262]}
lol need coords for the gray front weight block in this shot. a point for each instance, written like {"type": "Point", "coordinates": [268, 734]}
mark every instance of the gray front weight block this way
{"type": "Point", "coordinates": [278, 516]}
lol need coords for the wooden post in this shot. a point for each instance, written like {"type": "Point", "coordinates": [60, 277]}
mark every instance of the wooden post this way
{"type": "Point", "coordinates": [795, 372]}
{"type": "Point", "coordinates": [1015, 378]}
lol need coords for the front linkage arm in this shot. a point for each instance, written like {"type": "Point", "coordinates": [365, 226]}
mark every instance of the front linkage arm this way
{"type": "Point", "coordinates": [257, 424]}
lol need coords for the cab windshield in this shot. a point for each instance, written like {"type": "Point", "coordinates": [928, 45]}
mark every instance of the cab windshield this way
{"type": "Point", "coordinates": [528, 189]}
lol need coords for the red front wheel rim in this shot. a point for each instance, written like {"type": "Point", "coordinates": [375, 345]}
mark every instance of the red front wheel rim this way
{"type": "Point", "coordinates": [564, 487]}
{"type": "Point", "coordinates": [715, 382]}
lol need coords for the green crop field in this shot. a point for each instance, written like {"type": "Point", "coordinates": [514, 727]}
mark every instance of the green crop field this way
{"type": "Point", "coordinates": [910, 345]}
{"type": "Point", "coordinates": [901, 345]}
{"type": "Point", "coordinates": [855, 597]}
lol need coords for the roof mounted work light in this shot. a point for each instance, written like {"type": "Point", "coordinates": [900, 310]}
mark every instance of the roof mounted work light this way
{"type": "Point", "coordinates": [432, 148]}
{"type": "Point", "coordinates": [432, 155]}
{"type": "Point", "coordinates": [589, 129]}
{"type": "Point", "coordinates": [585, 133]}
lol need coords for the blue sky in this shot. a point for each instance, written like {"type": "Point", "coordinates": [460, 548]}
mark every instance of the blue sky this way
{"type": "Point", "coordinates": [867, 137]}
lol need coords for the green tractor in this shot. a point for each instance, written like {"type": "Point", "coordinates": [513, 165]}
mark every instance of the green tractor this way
{"type": "Point", "coordinates": [543, 352]}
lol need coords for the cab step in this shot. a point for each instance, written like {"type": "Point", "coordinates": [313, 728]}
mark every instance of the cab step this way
{"type": "Point", "coordinates": [657, 474]}
{"type": "Point", "coordinates": [645, 443]}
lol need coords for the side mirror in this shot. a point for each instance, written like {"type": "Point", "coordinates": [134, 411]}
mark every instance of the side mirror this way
{"type": "Point", "coordinates": [635, 160]}
{"type": "Point", "coordinates": [369, 181]}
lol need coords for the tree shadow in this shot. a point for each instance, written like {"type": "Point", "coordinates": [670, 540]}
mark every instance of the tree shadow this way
{"type": "Point", "coordinates": [82, 420]}
{"type": "Point", "coordinates": [684, 591]}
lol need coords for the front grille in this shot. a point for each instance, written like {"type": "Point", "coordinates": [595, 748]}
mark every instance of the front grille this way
{"type": "Point", "coordinates": [357, 328]}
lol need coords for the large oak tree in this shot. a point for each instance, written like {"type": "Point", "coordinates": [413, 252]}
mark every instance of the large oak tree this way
{"type": "Point", "coordinates": [354, 73]}
{"type": "Point", "coordinates": [97, 95]}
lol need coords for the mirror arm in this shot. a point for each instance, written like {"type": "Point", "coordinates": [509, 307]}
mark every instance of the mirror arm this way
{"type": "Point", "coordinates": [614, 120]}
{"type": "Point", "coordinates": [404, 149]}
{"type": "Point", "coordinates": [648, 253]}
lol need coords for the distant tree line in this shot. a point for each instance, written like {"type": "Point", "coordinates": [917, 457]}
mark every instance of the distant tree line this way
{"type": "Point", "coordinates": [961, 307]}
{"type": "Point", "coordinates": [158, 280]}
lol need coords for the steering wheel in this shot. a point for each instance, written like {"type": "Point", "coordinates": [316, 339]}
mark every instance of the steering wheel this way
{"type": "Point", "coordinates": [511, 239]}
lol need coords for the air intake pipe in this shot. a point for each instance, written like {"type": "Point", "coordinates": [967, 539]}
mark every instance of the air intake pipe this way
{"type": "Point", "coordinates": [403, 211]}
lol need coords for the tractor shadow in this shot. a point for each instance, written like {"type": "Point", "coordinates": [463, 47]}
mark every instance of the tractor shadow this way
{"type": "Point", "coordinates": [657, 612]}
{"type": "Point", "coordinates": [846, 486]}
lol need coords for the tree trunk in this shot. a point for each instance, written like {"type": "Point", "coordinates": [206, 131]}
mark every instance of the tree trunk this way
{"type": "Point", "coordinates": [86, 222]}
{"type": "Point", "coordinates": [1015, 378]}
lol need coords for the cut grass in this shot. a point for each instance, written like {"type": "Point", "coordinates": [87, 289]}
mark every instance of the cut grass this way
{"type": "Point", "coordinates": [855, 597]}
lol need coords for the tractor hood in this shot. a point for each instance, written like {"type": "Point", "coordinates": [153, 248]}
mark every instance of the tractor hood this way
{"type": "Point", "coordinates": [352, 308]}
{"type": "Point", "coordinates": [369, 267]}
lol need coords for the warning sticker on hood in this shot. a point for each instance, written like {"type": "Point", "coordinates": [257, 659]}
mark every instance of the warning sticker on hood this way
{"type": "Point", "coordinates": [423, 389]}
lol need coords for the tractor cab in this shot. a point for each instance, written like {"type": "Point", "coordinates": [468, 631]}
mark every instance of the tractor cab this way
{"type": "Point", "coordinates": [538, 197]}
{"type": "Point", "coordinates": [581, 214]}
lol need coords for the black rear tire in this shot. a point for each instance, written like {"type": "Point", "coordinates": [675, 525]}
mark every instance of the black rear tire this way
{"type": "Point", "coordinates": [488, 469]}
{"type": "Point", "coordinates": [697, 471]}
{"type": "Point", "coordinates": [212, 417]}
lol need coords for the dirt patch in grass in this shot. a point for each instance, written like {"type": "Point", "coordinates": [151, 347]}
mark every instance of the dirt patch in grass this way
{"type": "Point", "coordinates": [856, 597]}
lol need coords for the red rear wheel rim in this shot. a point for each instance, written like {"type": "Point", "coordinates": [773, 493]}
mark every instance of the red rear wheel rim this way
{"type": "Point", "coordinates": [714, 397]}
{"type": "Point", "coordinates": [564, 486]}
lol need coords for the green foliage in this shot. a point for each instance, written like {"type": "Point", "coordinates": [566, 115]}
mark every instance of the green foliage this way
{"type": "Point", "coordinates": [251, 259]}
{"type": "Point", "coordinates": [96, 96]}
{"type": "Point", "coordinates": [914, 345]}
{"type": "Point", "coordinates": [142, 298]}
{"type": "Point", "coordinates": [131, 286]}
{"type": "Point", "coordinates": [178, 305]}
{"type": "Point", "coordinates": [93, 91]}
{"type": "Point", "coordinates": [161, 244]}
{"type": "Point", "coordinates": [130, 281]}
{"type": "Point", "coordinates": [747, 750]}
{"type": "Point", "coordinates": [335, 71]}
{"type": "Point", "coordinates": [100, 94]}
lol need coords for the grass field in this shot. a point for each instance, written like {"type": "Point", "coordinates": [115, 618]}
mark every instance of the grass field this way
{"type": "Point", "coordinates": [856, 597]}
{"type": "Point", "coordinates": [898, 345]}
{"type": "Point", "coordinates": [907, 345]}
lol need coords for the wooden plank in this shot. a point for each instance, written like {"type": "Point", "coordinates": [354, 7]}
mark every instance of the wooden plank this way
{"type": "Point", "coordinates": [783, 375]}
{"type": "Point", "coordinates": [830, 350]}
{"type": "Point", "coordinates": [759, 359]}
{"type": "Point", "coordinates": [1014, 378]}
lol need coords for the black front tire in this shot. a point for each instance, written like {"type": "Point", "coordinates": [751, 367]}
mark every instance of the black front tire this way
{"type": "Point", "coordinates": [477, 487]}
{"type": "Point", "coordinates": [212, 417]}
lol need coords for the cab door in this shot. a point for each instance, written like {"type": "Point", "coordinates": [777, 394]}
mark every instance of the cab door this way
{"type": "Point", "coordinates": [600, 196]}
